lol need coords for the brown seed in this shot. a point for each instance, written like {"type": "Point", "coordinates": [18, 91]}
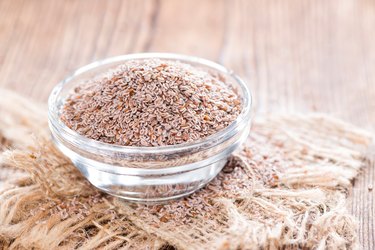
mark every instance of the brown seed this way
{"type": "Point", "coordinates": [137, 104]}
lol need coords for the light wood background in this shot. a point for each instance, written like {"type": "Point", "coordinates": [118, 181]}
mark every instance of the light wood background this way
{"type": "Point", "coordinates": [296, 55]}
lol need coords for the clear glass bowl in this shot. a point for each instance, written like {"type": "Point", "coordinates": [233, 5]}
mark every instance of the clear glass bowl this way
{"type": "Point", "coordinates": [148, 174]}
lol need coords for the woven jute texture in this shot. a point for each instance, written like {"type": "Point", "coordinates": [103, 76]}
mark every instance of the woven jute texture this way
{"type": "Point", "coordinates": [286, 189]}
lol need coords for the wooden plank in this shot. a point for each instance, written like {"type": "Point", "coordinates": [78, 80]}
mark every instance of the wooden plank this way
{"type": "Point", "coordinates": [296, 55]}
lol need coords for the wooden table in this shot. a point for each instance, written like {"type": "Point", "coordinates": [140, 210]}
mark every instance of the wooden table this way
{"type": "Point", "coordinates": [295, 55]}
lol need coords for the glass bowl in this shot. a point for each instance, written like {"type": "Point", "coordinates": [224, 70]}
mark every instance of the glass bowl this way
{"type": "Point", "coordinates": [148, 174]}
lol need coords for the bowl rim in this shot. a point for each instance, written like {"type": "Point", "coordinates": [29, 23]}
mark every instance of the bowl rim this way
{"type": "Point", "coordinates": [73, 137]}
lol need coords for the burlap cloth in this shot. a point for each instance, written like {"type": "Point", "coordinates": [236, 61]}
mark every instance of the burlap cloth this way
{"type": "Point", "coordinates": [287, 189]}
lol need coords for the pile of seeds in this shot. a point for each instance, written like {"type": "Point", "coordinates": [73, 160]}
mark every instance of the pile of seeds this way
{"type": "Point", "coordinates": [151, 103]}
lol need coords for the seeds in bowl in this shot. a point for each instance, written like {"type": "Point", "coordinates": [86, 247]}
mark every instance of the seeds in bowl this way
{"type": "Point", "coordinates": [150, 103]}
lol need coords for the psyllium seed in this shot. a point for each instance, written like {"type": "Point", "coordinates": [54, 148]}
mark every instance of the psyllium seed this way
{"type": "Point", "coordinates": [151, 103]}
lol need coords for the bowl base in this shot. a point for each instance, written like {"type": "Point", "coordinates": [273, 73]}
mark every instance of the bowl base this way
{"type": "Point", "coordinates": [154, 188]}
{"type": "Point", "coordinates": [153, 201]}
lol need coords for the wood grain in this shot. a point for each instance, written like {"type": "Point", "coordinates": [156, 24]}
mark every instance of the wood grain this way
{"type": "Point", "coordinates": [296, 55]}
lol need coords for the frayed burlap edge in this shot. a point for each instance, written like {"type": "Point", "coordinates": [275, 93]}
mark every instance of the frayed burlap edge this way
{"type": "Point", "coordinates": [45, 203]}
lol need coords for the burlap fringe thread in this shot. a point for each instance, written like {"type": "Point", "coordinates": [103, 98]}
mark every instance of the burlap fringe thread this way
{"type": "Point", "coordinates": [286, 189]}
